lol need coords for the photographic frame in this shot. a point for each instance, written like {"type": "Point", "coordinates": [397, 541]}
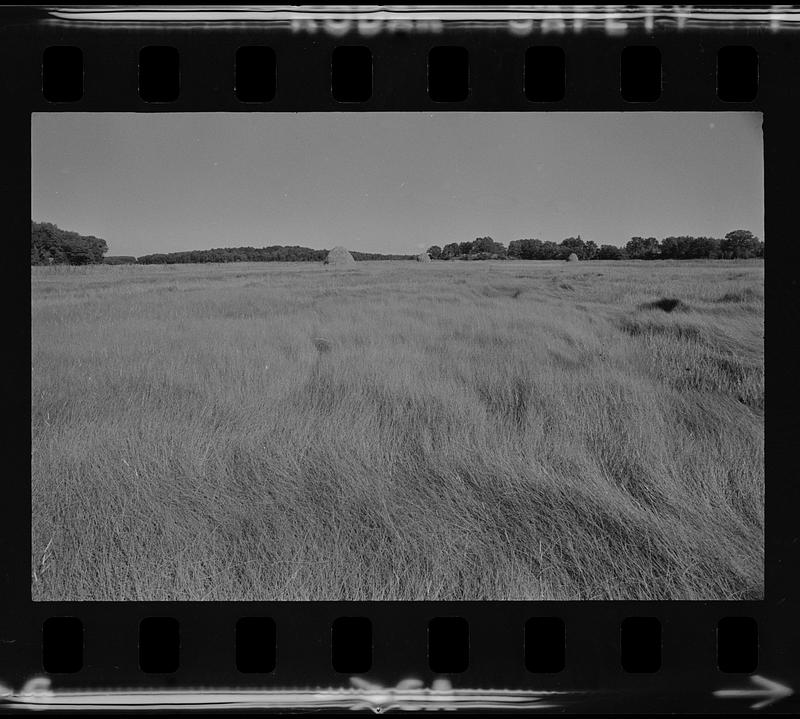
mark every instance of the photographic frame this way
{"type": "Point", "coordinates": [593, 679]}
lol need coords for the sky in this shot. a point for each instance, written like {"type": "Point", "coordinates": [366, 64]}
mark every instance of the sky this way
{"type": "Point", "coordinates": [394, 182]}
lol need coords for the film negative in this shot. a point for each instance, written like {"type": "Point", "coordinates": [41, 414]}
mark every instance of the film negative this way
{"type": "Point", "coordinates": [398, 358]}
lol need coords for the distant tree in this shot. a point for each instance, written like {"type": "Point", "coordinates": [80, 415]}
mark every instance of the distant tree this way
{"type": "Point", "coordinates": [740, 244]}
{"type": "Point", "coordinates": [610, 252]}
{"type": "Point", "coordinates": [574, 244]}
{"type": "Point", "coordinates": [483, 248]}
{"type": "Point", "coordinates": [585, 250]}
{"type": "Point", "coordinates": [482, 244]}
{"type": "Point", "coordinates": [79, 255]}
{"type": "Point", "coordinates": [464, 248]}
{"type": "Point", "coordinates": [711, 247]}
{"type": "Point", "coordinates": [640, 248]}
{"type": "Point", "coordinates": [273, 253]}
{"type": "Point", "coordinates": [52, 245]}
{"type": "Point", "coordinates": [435, 252]}
{"type": "Point", "coordinates": [686, 248]}
{"type": "Point", "coordinates": [97, 248]}
{"type": "Point", "coordinates": [451, 251]}
{"type": "Point", "coordinates": [525, 249]}
{"type": "Point", "coordinates": [358, 256]}
{"type": "Point", "coordinates": [652, 251]}
{"type": "Point", "coordinates": [673, 247]}
{"type": "Point", "coordinates": [701, 248]}
{"type": "Point", "coordinates": [552, 251]}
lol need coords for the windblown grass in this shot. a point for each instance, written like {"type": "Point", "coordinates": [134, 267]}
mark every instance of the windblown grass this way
{"type": "Point", "coordinates": [480, 430]}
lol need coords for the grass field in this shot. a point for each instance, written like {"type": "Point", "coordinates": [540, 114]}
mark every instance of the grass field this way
{"type": "Point", "coordinates": [458, 430]}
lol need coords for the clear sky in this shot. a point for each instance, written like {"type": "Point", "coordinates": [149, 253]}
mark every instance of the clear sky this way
{"type": "Point", "coordinates": [394, 182]}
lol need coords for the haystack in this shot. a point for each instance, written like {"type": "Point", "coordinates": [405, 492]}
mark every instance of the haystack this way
{"type": "Point", "coordinates": [423, 257]}
{"type": "Point", "coordinates": [339, 256]}
{"type": "Point", "coordinates": [572, 257]}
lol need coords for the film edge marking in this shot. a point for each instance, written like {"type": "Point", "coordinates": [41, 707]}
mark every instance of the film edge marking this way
{"type": "Point", "coordinates": [768, 691]}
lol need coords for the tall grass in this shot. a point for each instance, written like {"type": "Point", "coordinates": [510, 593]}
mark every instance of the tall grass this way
{"type": "Point", "coordinates": [464, 431]}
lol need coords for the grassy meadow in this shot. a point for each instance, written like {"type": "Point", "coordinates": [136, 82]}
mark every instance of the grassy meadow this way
{"type": "Point", "coordinates": [395, 430]}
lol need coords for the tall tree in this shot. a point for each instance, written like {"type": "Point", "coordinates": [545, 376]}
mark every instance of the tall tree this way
{"type": "Point", "coordinates": [740, 244]}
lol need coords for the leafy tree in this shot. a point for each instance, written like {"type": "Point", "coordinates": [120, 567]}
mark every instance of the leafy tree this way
{"type": "Point", "coordinates": [610, 252]}
{"type": "Point", "coordinates": [485, 248]}
{"type": "Point", "coordinates": [711, 247]}
{"type": "Point", "coordinates": [687, 248]}
{"type": "Point", "coordinates": [482, 244]}
{"type": "Point", "coordinates": [674, 247]}
{"type": "Point", "coordinates": [705, 248]}
{"type": "Point", "coordinates": [640, 248]}
{"type": "Point", "coordinates": [79, 255]}
{"type": "Point", "coordinates": [525, 249]}
{"type": "Point", "coordinates": [574, 244]}
{"type": "Point", "coordinates": [451, 251]}
{"type": "Point", "coordinates": [435, 252]}
{"type": "Point", "coordinates": [740, 244]}
{"type": "Point", "coordinates": [51, 244]}
{"type": "Point", "coordinates": [464, 248]}
{"type": "Point", "coordinates": [552, 251]}
{"type": "Point", "coordinates": [585, 250]}
{"type": "Point", "coordinates": [499, 251]}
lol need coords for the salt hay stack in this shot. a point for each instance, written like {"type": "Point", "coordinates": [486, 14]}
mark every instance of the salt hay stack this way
{"type": "Point", "coordinates": [423, 257]}
{"type": "Point", "coordinates": [572, 257]}
{"type": "Point", "coordinates": [339, 256]}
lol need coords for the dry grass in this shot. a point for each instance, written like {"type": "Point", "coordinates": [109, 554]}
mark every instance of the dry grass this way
{"type": "Point", "coordinates": [480, 430]}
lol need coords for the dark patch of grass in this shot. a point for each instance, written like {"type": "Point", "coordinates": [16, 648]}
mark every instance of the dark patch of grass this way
{"type": "Point", "coordinates": [748, 294]}
{"type": "Point", "coordinates": [636, 327]}
{"type": "Point", "coordinates": [323, 345]}
{"type": "Point", "coordinates": [501, 291]}
{"type": "Point", "coordinates": [667, 304]}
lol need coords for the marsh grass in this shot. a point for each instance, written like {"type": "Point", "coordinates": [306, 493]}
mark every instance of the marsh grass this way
{"type": "Point", "coordinates": [471, 431]}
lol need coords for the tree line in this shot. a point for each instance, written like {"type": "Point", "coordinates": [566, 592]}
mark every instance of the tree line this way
{"type": "Point", "coordinates": [738, 244]}
{"type": "Point", "coordinates": [52, 245]}
{"type": "Point", "coordinates": [274, 253]}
